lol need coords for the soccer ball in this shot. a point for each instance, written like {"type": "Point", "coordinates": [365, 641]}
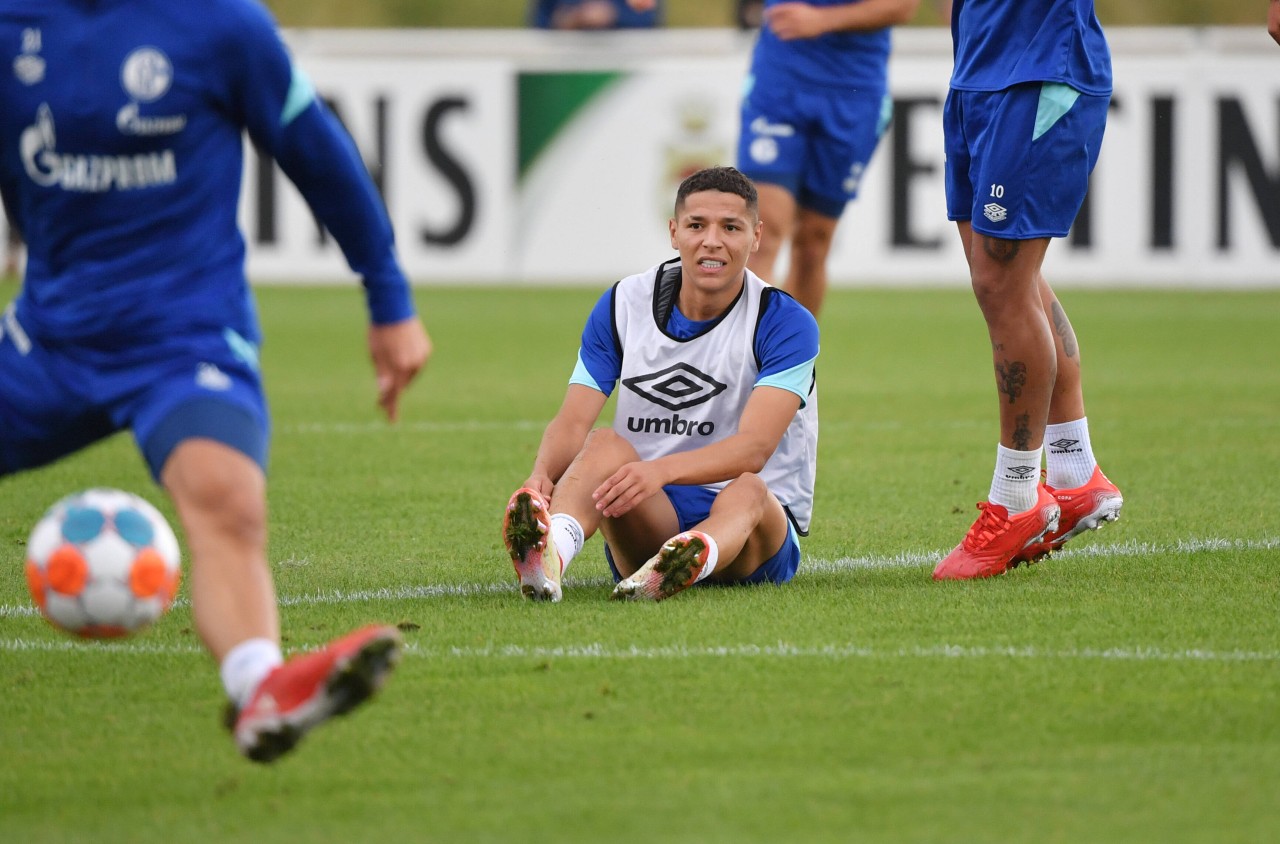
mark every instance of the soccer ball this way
{"type": "Point", "coordinates": [102, 563]}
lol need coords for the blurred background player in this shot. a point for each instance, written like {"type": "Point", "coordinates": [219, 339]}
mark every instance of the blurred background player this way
{"type": "Point", "coordinates": [121, 162]}
{"type": "Point", "coordinates": [1023, 126]}
{"type": "Point", "coordinates": [707, 473]}
{"type": "Point", "coordinates": [815, 104]}
{"type": "Point", "coordinates": [592, 14]}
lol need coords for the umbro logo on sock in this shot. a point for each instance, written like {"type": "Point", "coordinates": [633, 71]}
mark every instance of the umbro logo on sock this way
{"type": "Point", "coordinates": [1021, 473]}
{"type": "Point", "coordinates": [1065, 446]}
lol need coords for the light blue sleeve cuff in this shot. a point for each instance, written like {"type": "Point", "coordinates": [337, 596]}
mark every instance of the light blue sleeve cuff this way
{"type": "Point", "coordinates": [797, 379]}
{"type": "Point", "coordinates": [582, 376]}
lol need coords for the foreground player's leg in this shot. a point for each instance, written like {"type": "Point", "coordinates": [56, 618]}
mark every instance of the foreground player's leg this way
{"type": "Point", "coordinates": [220, 497]}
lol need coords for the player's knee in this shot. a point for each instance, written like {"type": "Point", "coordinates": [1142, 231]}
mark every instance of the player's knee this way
{"type": "Point", "coordinates": [999, 292]}
{"type": "Point", "coordinates": [748, 491]}
{"type": "Point", "coordinates": [605, 444]}
{"type": "Point", "coordinates": [220, 492]}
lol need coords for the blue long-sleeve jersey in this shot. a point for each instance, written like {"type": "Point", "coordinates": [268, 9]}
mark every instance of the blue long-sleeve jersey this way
{"type": "Point", "coordinates": [121, 152]}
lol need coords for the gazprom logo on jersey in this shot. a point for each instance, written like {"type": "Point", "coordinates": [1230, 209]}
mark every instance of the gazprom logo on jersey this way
{"type": "Point", "coordinates": [89, 173]}
{"type": "Point", "coordinates": [675, 388]}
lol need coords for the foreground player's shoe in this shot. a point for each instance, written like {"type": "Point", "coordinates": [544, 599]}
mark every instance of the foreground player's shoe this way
{"type": "Point", "coordinates": [1084, 508]}
{"type": "Point", "coordinates": [675, 568]}
{"type": "Point", "coordinates": [994, 542]}
{"type": "Point", "coordinates": [526, 531]}
{"type": "Point", "coordinates": [311, 688]}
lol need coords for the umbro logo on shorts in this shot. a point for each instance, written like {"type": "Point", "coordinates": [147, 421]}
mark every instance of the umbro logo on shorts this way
{"type": "Point", "coordinates": [995, 213]}
{"type": "Point", "coordinates": [212, 378]}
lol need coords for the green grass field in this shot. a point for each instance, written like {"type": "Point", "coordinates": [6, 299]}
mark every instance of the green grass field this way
{"type": "Point", "coordinates": [1125, 691]}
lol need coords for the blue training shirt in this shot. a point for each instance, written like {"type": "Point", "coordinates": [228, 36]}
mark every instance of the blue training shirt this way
{"type": "Point", "coordinates": [999, 43]}
{"type": "Point", "coordinates": [838, 59]}
{"type": "Point", "coordinates": [121, 125]}
{"type": "Point", "coordinates": [786, 345]}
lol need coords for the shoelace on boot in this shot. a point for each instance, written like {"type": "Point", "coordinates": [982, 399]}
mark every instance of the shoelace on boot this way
{"type": "Point", "coordinates": [988, 526]}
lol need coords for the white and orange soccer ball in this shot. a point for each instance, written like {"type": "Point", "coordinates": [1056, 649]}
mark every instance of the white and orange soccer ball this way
{"type": "Point", "coordinates": [102, 563]}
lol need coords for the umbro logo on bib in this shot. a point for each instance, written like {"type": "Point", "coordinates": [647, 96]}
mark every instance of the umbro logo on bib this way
{"type": "Point", "coordinates": [677, 387]}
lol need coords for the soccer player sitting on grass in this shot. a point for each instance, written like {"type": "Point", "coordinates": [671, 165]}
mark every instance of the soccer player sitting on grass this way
{"type": "Point", "coordinates": [120, 160]}
{"type": "Point", "coordinates": [707, 473]}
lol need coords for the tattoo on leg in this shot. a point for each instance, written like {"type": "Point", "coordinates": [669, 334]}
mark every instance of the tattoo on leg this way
{"type": "Point", "coordinates": [1022, 433]}
{"type": "Point", "coordinates": [1063, 326]}
{"type": "Point", "coordinates": [1012, 377]}
{"type": "Point", "coordinates": [1000, 250]}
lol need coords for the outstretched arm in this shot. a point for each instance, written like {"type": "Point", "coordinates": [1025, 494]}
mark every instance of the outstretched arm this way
{"type": "Point", "coordinates": [278, 105]}
{"type": "Point", "coordinates": [764, 421]}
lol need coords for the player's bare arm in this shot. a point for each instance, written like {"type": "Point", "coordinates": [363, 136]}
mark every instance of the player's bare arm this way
{"type": "Point", "coordinates": [764, 421]}
{"type": "Point", "coordinates": [1273, 19]}
{"type": "Point", "coordinates": [564, 436]}
{"type": "Point", "coordinates": [791, 21]}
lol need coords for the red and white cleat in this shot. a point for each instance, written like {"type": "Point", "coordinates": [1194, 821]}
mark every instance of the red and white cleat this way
{"type": "Point", "coordinates": [675, 568]}
{"type": "Point", "coordinates": [526, 531]}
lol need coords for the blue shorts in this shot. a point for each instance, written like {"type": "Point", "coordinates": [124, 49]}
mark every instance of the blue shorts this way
{"type": "Point", "coordinates": [816, 143]}
{"type": "Point", "coordinates": [1018, 160]}
{"type": "Point", "coordinates": [55, 400]}
{"type": "Point", "coordinates": [693, 505]}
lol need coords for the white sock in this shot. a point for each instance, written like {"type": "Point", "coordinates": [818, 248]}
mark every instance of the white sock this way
{"type": "Point", "coordinates": [1016, 477]}
{"type": "Point", "coordinates": [568, 537]}
{"type": "Point", "coordinates": [1068, 454]}
{"type": "Point", "coordinates": [246, 665]}
{"type": "Point", "coordinates": [713, 555]}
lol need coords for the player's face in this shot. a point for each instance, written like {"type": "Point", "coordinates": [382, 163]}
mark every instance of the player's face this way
{"type": "Point", "coordinates": [715, 234]}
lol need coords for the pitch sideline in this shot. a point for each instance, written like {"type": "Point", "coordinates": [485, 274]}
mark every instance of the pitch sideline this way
{"type": "Point", "coordinates": [838, 652]}
{"type": "Point", "coordinates": [905, 559]}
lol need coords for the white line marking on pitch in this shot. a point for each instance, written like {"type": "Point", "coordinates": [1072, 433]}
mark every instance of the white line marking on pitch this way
{"type": "Point", "coordinates": [906, 559]}
{"type": "Point", "coordinates": [780, 650]}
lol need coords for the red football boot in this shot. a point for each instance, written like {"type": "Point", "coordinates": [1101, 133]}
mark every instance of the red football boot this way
{"type": "Point", "coordinates": [996, 539]}
{"type": "Point", "coordinates": [310, 688]}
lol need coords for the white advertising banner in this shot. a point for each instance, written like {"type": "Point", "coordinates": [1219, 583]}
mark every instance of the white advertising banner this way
{"type": "Point", "coordinates": [524, 156]}
{"type": "Point", "coordinates": [439, 140]}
